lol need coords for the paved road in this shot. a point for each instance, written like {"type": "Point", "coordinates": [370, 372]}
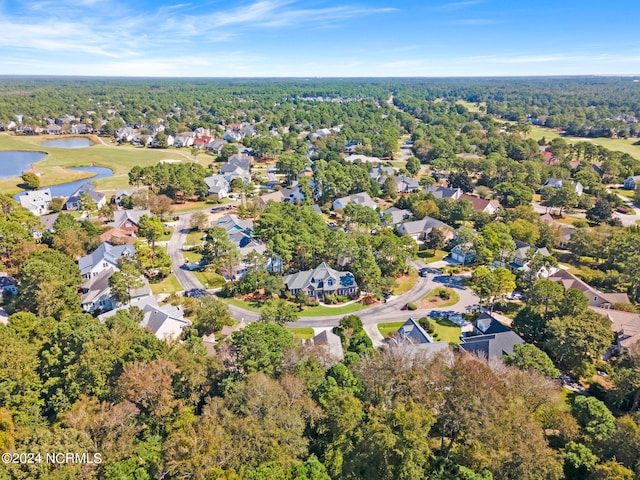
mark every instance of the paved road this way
{"type": "Point", "coordinates": [186, 278]}
{"type": "Point", "coordinates": [628, 220]}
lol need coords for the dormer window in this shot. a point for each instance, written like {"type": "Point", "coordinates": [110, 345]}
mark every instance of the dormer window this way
{"type": "Point", "coordinates": [331, 282]}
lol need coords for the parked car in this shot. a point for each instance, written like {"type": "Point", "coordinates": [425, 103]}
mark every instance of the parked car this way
{"type": "Point", "coordinates": [196, 293]}
{"type": "Point", "coordinates": [423, 272]}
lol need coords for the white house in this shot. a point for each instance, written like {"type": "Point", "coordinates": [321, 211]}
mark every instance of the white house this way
{"type": "Point", "coordinates": [36, 201]}
{"type": "Point", "coordinates": [557, 183]}
{"type": "Point", "coordinates": [103, 257]}
{"type": "Point", "coordinates": [361, 198]}
{"type": "Point", "coordinates": [218, 186]}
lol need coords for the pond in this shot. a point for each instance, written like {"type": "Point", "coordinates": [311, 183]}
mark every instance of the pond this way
{"type": "Point", "coordinates": [73, 142]}
{"type": "Point", "coordinates": [13, 163]}
{"type": "Point", "coordinates": [67, 189]}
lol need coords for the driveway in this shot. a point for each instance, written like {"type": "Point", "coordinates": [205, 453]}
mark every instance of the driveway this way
{"type": "Point", "coordinates": [186, 278]}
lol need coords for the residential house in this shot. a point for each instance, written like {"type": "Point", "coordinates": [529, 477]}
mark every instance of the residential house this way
{"type": "Point", "coordinates": [596, 297]}
{"type": "Point", "coordinates": [419, 230]}
{"type": "Point", "coordinates": [481, 205]}
{"type": "Point", "coordinates": [7, 285]}
{"type": "Point", "coordinates": [380, 173]}
{"type": "Point", "coordinates": [128, 220]}
{"type": "Point", "coordinates": [362, 158]}
{"type": "Point", "coordinates": [406, 184]}
{"type": "Point", "coordinates": [361, 198]}
{"type": "Point", "coordinates": [412, 339]}
{"type": "Point", "coordinates": [73, 202]}
{"type": "Point", "coordinates": [557, 183]}
{"type": "Point", "coordinates": [632, 183]}
{"type": "Point", "coordinates": [485, 324]}
{"type": "Point", "coordinates": [276, 197]}
{"type": "Point", "coordinates": [123, 193]}
{"type": "Point", "coordinates": [48, 221]}
{"type": "Point", "coordinates": [218, 186]}
{"type": "Point", "coordinates": [561, 232]}
{"type": "Point", "coordinates": [79, 129]}
{"type": "Point", "coordinates": [36, 201]}
{"type": "Point", "coordinates": [166, 322]}
{"type": "Point", "coordinates": [231, 224]}
{"type": "Point", "coordinates": [96, 293]}
{"type": "Point", "coordinates": [53, 129]}
{"type": "Point", "coordinates": [397, 215]}
{"type": "Point", "coordinates": [330, 343]}
{"type": "Point", "coordinates": [320, 281]}
{"type": "Point", "coordinates": [463, 253]}
{"type": "Point", "coordinates": [445, 192]}
{"type": "Point", "coordinates": [104, 257]}
{"type": "Point", "coordinates": [238, 166]}
{"type": "Point", "coordinates": [184, 139]}
{"type": "Point", "coordinates": [625, 326]}
{"type": "Point", "coordinates": [492, 346]}
{"type": "Point", "coordinates": [232, 136]}
{"type": "Point", "coordinates": [215, 146]}
{"type": "Point", "coordinates": [202, 142]}
{"type": "Point", "coordinates": [520, 260]}
{"type": "Point", "coordinates": [125, 134]}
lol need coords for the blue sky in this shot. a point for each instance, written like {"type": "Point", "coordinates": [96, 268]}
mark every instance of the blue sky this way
{"type": "Point", "coordinates": [280, 38]}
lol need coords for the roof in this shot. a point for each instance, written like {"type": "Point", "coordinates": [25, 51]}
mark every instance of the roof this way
{"type": "Point", "coordinates": [361, 198]}
{"type": "Point", "coordinates": [105, 252]}
{"type": "Point", "coordinates": [486, 324]}
{"type": "Point", "coordinates": [444, 192]}
{"type": "Point", "coordinates": [216, 183]}
{"type": "Point", "coordinates": [362, 158]}
{"type": "Point", "coordinates": [331, 342]}
{"type": "Point", "coordinates": [120, 217]}
{"type": "Point", "coordinates": [492, 346]}
{"type": "Point", "coordinates": [571, 281]}
{"type": "Point", "coordinates": [626, 325]}
{"type": "Point", "coordinates": [232, 223]}
{"type": "Point", "coordinates": [49, 220]}
{"type": "Point", "coordinates": [166, 322]}
{"type": "Point", "coordinates": [425, 225]}
{"type": "Point", "coordinates": [397, 215]}
{"type": "Point", "coordinates": [277, 196]}
{"type": "Point", "coordinates": [317, 278]}
{"type": "Point", "coordinates": [479, 204]}
{"type": "Point", "coordinates": [118, 235]}
{"type": "Point", "coordinates": [6, 281]}
{"type": "Point", "coordinates": [34, 197]}
{"type": "Point", "coordinates": [411, 332]}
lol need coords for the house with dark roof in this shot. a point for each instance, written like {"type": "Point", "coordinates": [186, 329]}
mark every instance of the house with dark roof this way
{"type": "Point", "coordinates": [322, 279]}
{"type": "Point", "coordinates": [238, 166]}
{"type": "Point", "coordinates": [7, 285]}
{"type": "Point", "coordinates": [632, 183]}
{"type": "Point", "coordinates": [595, 296]}
{"type": "Point", "coordinates": [491, 346]}
{"type": "Point", "coordinates": [485, 324]}
{"type": "Point", "coordinates": [122, 193]}
{"type": "Point", "coordinates": [73, 202]}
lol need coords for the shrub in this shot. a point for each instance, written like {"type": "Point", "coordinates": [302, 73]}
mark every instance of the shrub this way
{"type": "Point", "coordinates": [444, 294]}
{"type": "Point", "coordinates": [411, 306]}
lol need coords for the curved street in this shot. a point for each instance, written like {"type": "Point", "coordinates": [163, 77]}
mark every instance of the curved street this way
{"type": "Point", "coordinates": [386, 312]}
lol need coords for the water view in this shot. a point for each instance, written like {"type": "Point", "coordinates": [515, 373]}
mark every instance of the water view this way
{"type": "Point", "coordinates": [67, 189]}
{"type": "Point", "coordinates": [13, 163]}
{"type": "Point", "coordinates": [74, 142]}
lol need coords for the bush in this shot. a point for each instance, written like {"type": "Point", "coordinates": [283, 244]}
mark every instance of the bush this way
{"type": "Point", "coordinates": [444, 294]}
{"type": "Point", "coordinates": [411, 306]}
{"type": "Point", "coordinates": [313, 303]}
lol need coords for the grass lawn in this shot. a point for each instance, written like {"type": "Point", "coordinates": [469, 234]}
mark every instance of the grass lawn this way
{"type": "Point", "coordinates": [194, 238]}
{"type": "Point", "coordinates": [119, 158]}
{"type": "Point", "coordinates": [405, 283]}
{"type": "Point", "coordinates": [427, 256]}
{"type": "Point", "coordinates": [209, 279]}
{"type": "Point", "coordinates": [302, 333]}
{"type": "Point", "coordinates": [433, 300]}
{"type": "Point", "coordinates": [388, 329]}
{"type": "Point", "coordinates": [625, 193]}
{"type": "Point", "coordinates": [169, 285]}
{"type": "Point", "coordinates": [471, 106]}
{"type": "Point", "coordinates": [191, 256]}
{"type": "Point", "coordinates": [447, 331]}
{"type": "Point", "coordinates": [319, 311]}
{"type": "Point", "coordinates": [166, 235]}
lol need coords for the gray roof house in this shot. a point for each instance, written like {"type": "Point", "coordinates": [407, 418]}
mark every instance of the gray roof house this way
{"type": "Point", "coordinates": [73, 202]}
{"type": "Point", "coordinates": [557, 183]}
{"type": "Point", "coordinates": [362, 198]}
{"type": "Point", "coordinates": [36, 201]}
{"type": "Point", "coordinates": [413, 338]}
{"type": "Point", "coordinates": [380, 173]}
{"type": "Point", "coordinates": [420, 229]}
{"type": "Point", "coordinates": [123, 193]}
{"type": "Point", "coordinates": [103, 257]}
{"type": "Point", "coordinates": [445, 192]}
{"type": "Point", "coordinates": [406, 184]}
{"type": "Point", "coordinates": [166, 322]}
{"type": "Point", "coordinates": [322, 279]}
{"type": "Point", "coordinates": [218, 185]}
{"type": "Point", "coordinates": [96, 292]}
{"type": "Point", "coordinates": [330, 342]}
{"type": "Point", "coordinates": [492, 346]}
{"type": "Point", "coordinates": [397, 215]}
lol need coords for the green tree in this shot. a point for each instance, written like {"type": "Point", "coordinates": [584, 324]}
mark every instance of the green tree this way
{"type": "Point", "coordinates": [150, 228]}
{"type": "Point", "coordinates": [594, 417]}
{"type": "Point", "coordinates": [260, 347]}
{"type": "Point", "coordinates": [212, 314]}
{"type": "Point", "coordinates": [413, 165]}
{"type": "Point", "coordinates": [124, 281]}
{"type": "Point", "coordinates": [278, 311]}
{"type": "Point", "coordinates": [31, 180]}
{"type": "Point", "coordinates": [601, 211]}
{"type": "Point", "coordinates": [530, 357]}
{"type": "Point", "coordinates": [199, 221]}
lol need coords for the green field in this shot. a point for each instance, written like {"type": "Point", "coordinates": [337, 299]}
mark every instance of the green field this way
{"type": "Point", "coordinates": [447, 331]}
{"type": "Point", "coordinates": [119, 158]}
{"type": "Point", "coordinates": [302, 333]}
{"type": "Point", "coordinates": [427, 256]}
{"type": "Point", "coordinates": [471, 106]}
{"type": "Point", "coordinates": [209, 279]}
{"type": "Point", "coordinates": [319, 311]}
{"type": "Point", "coordinates": [388, 329]}
{"type": "Point", "coordinates": [168, 285]}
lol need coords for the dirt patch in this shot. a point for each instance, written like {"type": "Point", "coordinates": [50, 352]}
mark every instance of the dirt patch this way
{"type": "Point", "coordinates": [433, 302]}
